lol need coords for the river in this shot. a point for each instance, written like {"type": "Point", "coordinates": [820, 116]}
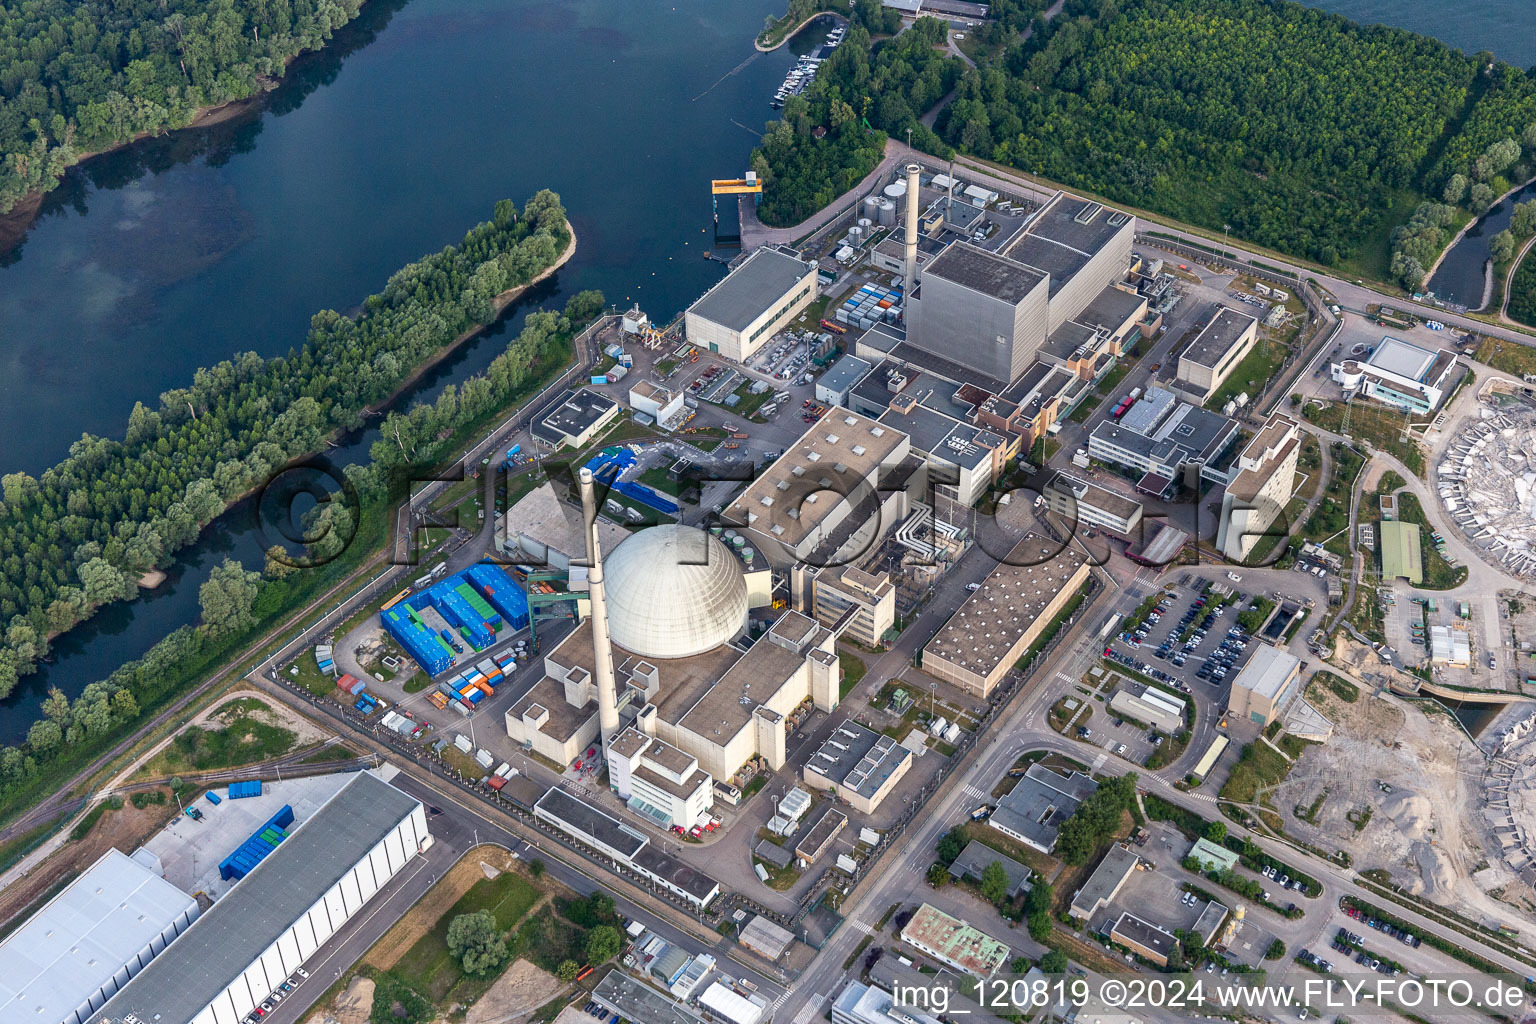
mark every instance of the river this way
{"type": "Point", "coordinates": [177, 253]}
{"type": "Point", "coordinates": [1461, 277]}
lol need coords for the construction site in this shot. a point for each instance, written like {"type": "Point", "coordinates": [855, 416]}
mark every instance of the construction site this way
{"type": "Point", "coordinates": [1487, 480]}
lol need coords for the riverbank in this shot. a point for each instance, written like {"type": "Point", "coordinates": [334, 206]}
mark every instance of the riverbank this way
{"type": "Point", "coordinates": [1477, 221]}
{"type": "Point", "coordinates": [791, 33]}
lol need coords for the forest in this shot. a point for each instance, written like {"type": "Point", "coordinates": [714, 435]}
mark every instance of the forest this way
{"type": "Point", "coordinates": [77, 78]}
{"type": "Point", "coordinates": [861, 96]}
{"type": "Point", "coordinates": [1294, 126]}
{"type": "Point", "coordinates": [81, 534]}
{"type": "Point", "coordinates": [1522, 292]}
{"type": "Point", "coordinates": [237, 605]}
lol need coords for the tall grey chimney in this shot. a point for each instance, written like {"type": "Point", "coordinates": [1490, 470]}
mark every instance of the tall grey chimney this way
{"type": "Point", "coordinates": [602, 647]}
{"type": "Point", "coordinates": [911, 254]}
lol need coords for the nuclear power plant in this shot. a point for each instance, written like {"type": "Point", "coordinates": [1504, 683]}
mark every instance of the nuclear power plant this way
{"type": "Point", "coordinates": [661, 674]}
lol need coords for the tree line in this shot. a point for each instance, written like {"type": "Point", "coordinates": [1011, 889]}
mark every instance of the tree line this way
{"type": "Point", "coordinates": [832, 135]}
{"type": "Point", "coordinates": [76, 78]}
{"type": "Point", "coordinates": [81, 534]}
{"type": "Point", "coordinates": [236, 603]}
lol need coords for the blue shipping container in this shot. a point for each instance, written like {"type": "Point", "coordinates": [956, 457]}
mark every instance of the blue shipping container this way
{"type": "Point", "coordinates": [213, 797]}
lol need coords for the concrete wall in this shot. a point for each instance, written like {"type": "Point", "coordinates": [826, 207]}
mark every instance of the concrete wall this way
{"type": "Point", "coordinates": [962, 325]}
{"type": "Point", "coordinates": [1104, 269]}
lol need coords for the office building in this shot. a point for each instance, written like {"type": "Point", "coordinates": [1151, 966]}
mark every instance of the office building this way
{"type": "Point", "coordinates": [977, 857]}
{"type": "Point", "coordinates": [1145, 939]}
{"type": "Point", "coordinates": [1105, 883]}
{"type": "Point", "coordinates": [1253, 502]}
{"type": "Point", "coordinates": [1032, 812]}
{"type": "Point", "coordinates": [954, 943]}
{"type": "Point", "coordinates": [1165, 443]}
{"type": "Point", "coordinates": [657, 780]}
{"type": "Point", "coordinates": [574, 419]}
{"type": "Point", "coordinates": [1089, 505]}
{"type": "Point", "coordinates": [742, 313]}
{"type": "Point", "coordinates": [858, 1003]}
{"type": "Point", "coordinates": [853, 602]}
{"type": "Point", "coordinates": [1142, 703]}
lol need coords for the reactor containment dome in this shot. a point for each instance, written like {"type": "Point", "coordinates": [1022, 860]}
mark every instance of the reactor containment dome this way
{"type": "Point", "coordinates": [674, 591]}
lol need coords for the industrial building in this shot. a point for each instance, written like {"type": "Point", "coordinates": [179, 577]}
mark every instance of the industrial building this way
{"type": "Point", "coordinates": [858, 1003]}
{"type": "Point", "coordinates": [1144, 938]}
{"type": "Point", "coordinates": [733, 1005]}
{"type": "Point", "coordinates": [1166, 443]}
{"type": "Point", "coordinates": [1212, 856]}
{"type": "Point", "coordinates": [964, 457]}
{"type": "Point", "coordinates": [1265, 685]}
{"type": "Point", "coordinates": [543, 531]}
{"type": "Point", "coordinates": [1401, 555]}
{"type": "Point", "coordinates": [1450, 646]}
{"type": "Point", "coordinates": [1087, 504]}
{"type": "Point", "coordinates": [573, 419]}
{"type": "Point", "coordinates": [1032, 812]}
{"type": "Point", "coordinates": [858, 764]}
{"type": "Point", "coordinates": [818, 838]}
{"type": "Point", "coordinates": [859, 604]}
{"type": "Point", "coordinates": [687, 681]}
{"type": "Point", "coordinates": [659, 402]}
{"type": "Point", "coordinates": [1263, 486]}
{"type": "Point", "coordinates": [833, 492]}
{"type": "Point", "coordinates": [1208, 360]}
{"type": "Point", "coordinates": [1106, 882]}
{"type": "Point", "coordinates": [977, 857]}
{"type": "Point", "coordinates": [1399, 373]}
{"type": "Point", "coordinates": [739, 315]}
{"type": "Point", "coordinates": [765, 938]}
{"type": "Point", "coordinates": [67, 959]}
{"type": "Point", "coordinates": [1159, 545]}
{"type": "Point", "coordinates": [994, 311]}
{"type": "Point", "coordinates": [833, 386]}
{"type": "Point", "coordinates": [1142, 703]}
{"type": "Point", "coordinates": [625, 845]}
{"type": "Point", "coordinates": [657, 780]}
{"type": "Point", "coordinates": [1210, 757]}
{"type": "Point", "coordinates": [248, 943]}
{"type": "Point", "coordinates": [1014, 605]}
{"type": "Point", "coordinates": [955, 943]}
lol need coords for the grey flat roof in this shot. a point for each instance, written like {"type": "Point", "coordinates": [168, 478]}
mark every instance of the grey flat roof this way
{"type": "Point", "coordinates": [63, 954]}
{"type": "Point", "coordinates": [1106, 879]}
{"type": "Point", "coordinates": [1219, 336]}
{"type": "Point", "coordinates": [571, 414]}
{"type": "Point", "coordinates": [1111, 308]}
{"type": "Point", "coordinates": [1093, 496]}
{"type": "Point", "coordinates": [1040, 802]}
{"type": "Point", "coordinates": [973, 860]}
{"type": "Point", "coordinates": [1267, 671]}
{"type": "Point", "coordinates": [1145, 934]}
{"type": "Point", "coordinates": [663, 865]}
{"type": "Point", "coordinates": [588, 820]}
{"type": "Point", "coordinates": [981, 271]}
{"type": "Point", "coordinates": [765, 278]}
{"type": "Point", "coordinates": [858, 758]}
{"type": "Point", "coordinates": [1402, 358]}
{"type": "Point", "coordinates": [1077, 224]}
{"type": "Point", "coordinates": [937, 365]}
{"type": "Point", "coordinates": [635, 1001]}
{"type": "Point", "coordinates": [192, 972]}
{"type": "Point", "coordinates": [844, 373]}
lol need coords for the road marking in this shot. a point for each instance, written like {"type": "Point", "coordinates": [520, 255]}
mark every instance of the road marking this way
{"type": "Point", "coordinates": [809, 1010]}
{"type": "Point", "coordinates": [1098, 762]}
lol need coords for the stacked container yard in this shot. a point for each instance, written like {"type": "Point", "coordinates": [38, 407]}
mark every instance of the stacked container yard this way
{"type": "Point", "coordinates": [870, 305]}
{"type": "Point", "coordinates": [255, 849]}
{"type": "Point", "coordinates": [324, 660]}
{"type": "Point", "coordinates": [474, 604]}
{"type": "Point", "coordinates": [502, 592]}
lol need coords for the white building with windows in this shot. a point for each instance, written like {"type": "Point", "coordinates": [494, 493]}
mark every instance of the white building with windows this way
{"type": "Point", "coordinates": [657, 780]}
{"type": "Point", "coordinates": [739, 315]}
{"type": "Point", "coordinates": [1399, 373]}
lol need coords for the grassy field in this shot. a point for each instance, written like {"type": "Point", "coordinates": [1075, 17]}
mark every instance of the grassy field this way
{"type": "Point", "coordinates": [233, 736]}
{"type": "Point", "coordinates": [428, 967]}
{"type": "Point", "coordinates": [1253, 374]}
{"type": "Point", "coordinates": [1381, 425]}
{"type": "Point", "coordinates": [1337, 685]}
{"type": "Point", "coordinates": [853, 670]}
{"type": "Point", "coordinates": [1260, 768]}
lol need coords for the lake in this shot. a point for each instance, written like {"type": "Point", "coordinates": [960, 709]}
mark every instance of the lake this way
{"type": "Point", "coordinates": [172, 255]}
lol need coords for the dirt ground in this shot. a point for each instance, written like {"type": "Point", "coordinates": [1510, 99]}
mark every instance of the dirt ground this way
{"type": "Point", "coordinates": [273, 713]}
{"type": "Point", "coordinates": [1398, 784]}
{"type": "Point", "coordinates": [419, 920]}
{"type": "Point", "coordinates": [521, 989]}
{"type": "Point", "coordinates": [352, 1006]}
{"type": "Point", "coordinates": [125, 829]}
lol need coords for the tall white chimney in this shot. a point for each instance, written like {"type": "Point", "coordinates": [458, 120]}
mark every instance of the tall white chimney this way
{"type": "Point", "coordinates": [602, 647]}
{"type": "Point", "coordinates": [911, 277]}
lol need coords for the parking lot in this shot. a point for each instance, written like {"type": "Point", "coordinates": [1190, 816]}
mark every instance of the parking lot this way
{"type": "Point", "coordinates": [1189, 640]}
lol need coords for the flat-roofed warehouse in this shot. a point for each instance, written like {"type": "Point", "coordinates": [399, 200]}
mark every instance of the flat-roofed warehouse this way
{"type": "Point", "coordinates": [739, 315]}
{"type": "Point", "coordinates": [69, 958]}
{"type": "Point", "coordinates": [248, 943]}
{"type": "Point", "coordinates": [860, 765]}
{"type": "Point", "coordinates": [1208, 360]}
{"type": "Point", "coordinates": [997, 623]}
